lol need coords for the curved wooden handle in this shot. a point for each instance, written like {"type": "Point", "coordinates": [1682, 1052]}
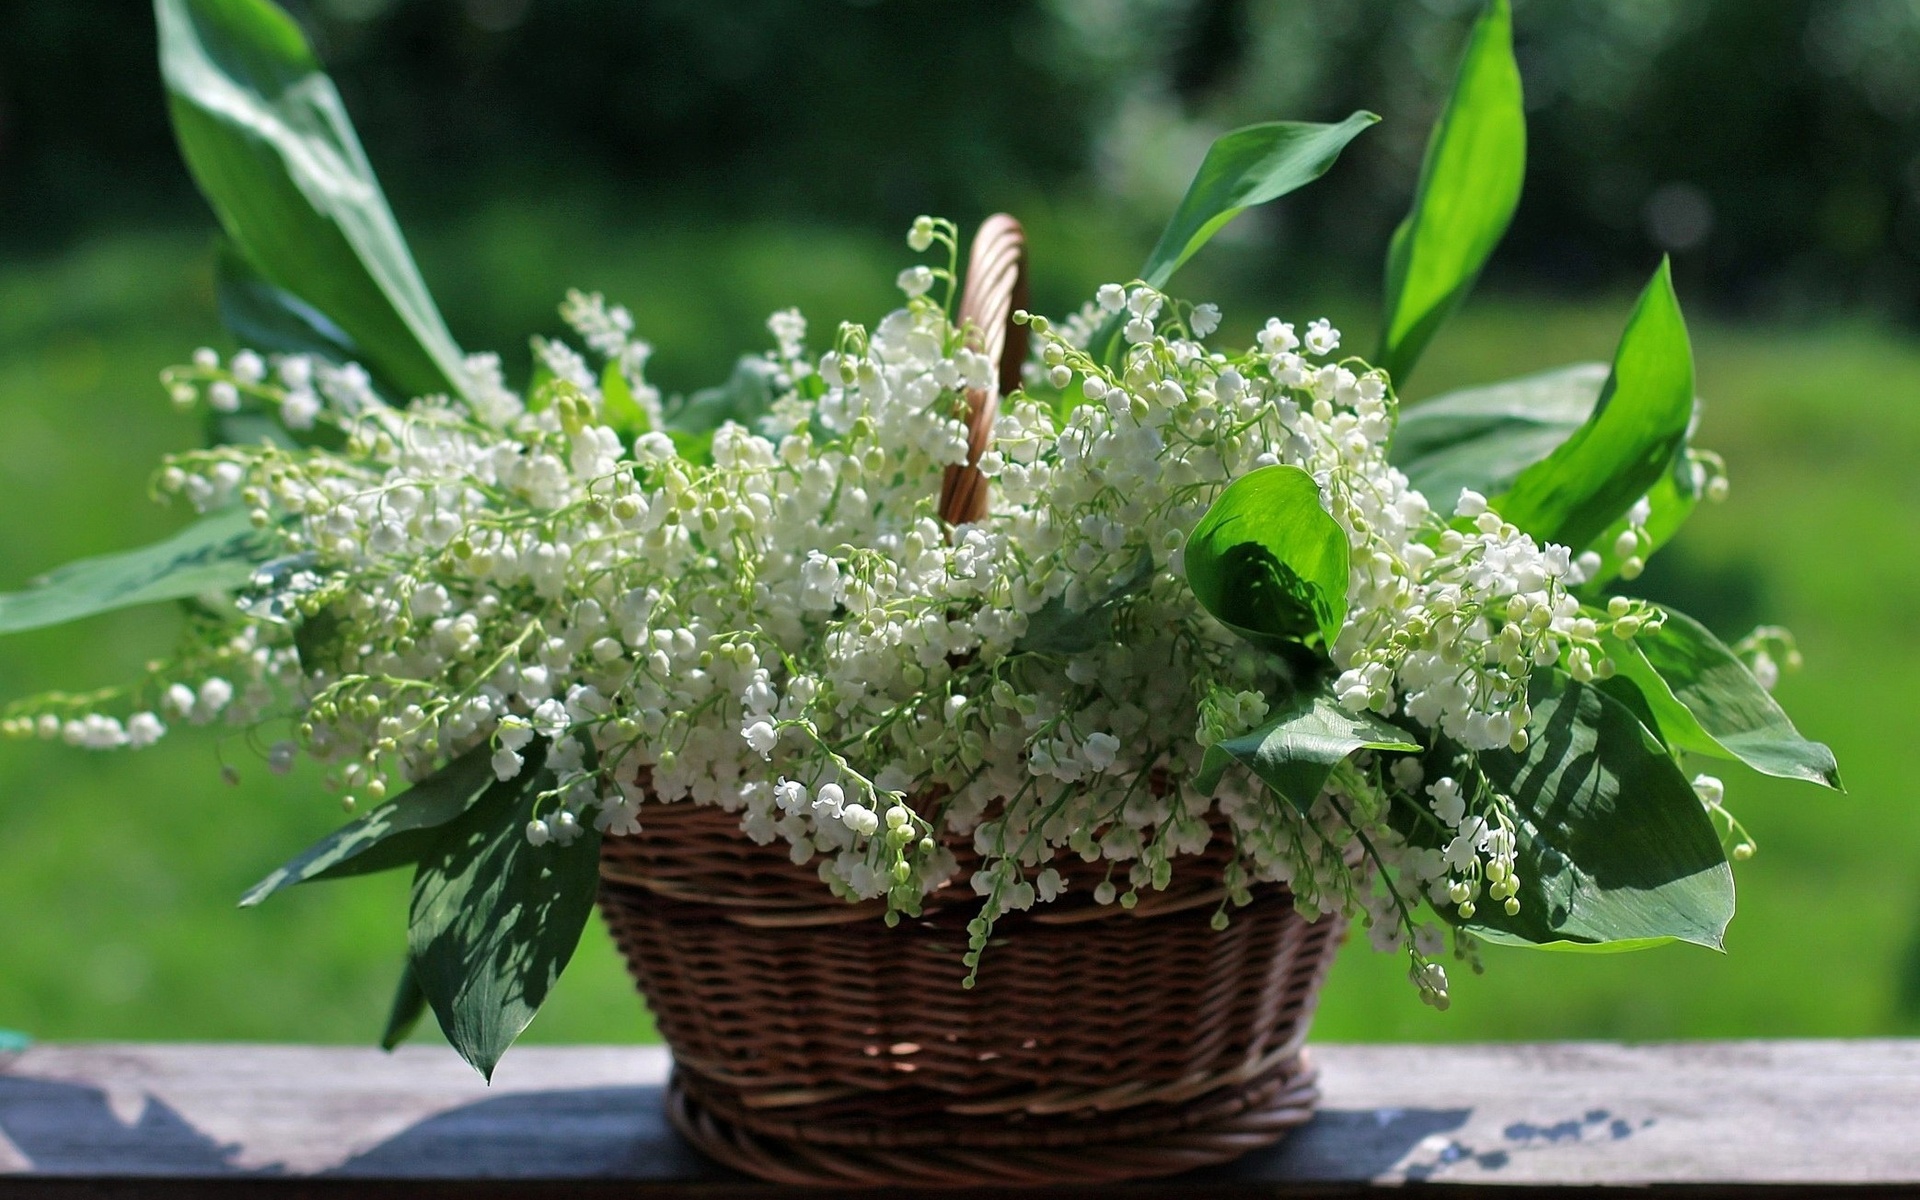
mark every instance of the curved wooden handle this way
{"type": "Point", "coordinates": [996, 287]}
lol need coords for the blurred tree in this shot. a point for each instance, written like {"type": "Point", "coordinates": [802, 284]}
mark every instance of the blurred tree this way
{"type": "Point", "coordinates": [790, 106]}
{"type": "Point", "coordinates": [1772, 145]}
{"type": "Point", "coordinates": [84, 139]}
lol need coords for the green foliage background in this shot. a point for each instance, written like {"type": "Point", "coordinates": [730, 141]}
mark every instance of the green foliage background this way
{"type": "Point", "coordinates": [1774, 141]}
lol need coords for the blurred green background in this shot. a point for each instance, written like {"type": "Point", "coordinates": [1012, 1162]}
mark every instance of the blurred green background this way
{"type": "Point", "coordinates": [708, 163]}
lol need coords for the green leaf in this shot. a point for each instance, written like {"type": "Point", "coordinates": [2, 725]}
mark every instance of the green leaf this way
{"type": "Point", "coordinates": [264, 317]}
{"type": "Point", "coordinates": [1639, 423]}
{"type": "Point", "coordinates": [744, 399]}
{"type": "Point", "coordinates": [248, 426]}
{"type": "Point", "coordinates": [1707, 701]}
{"type": "Point", "coordinates": [1296, 750]}
{"type": "Point", "coordinates": [495, 919]}
{"type": "Point", "coordinates": [265, 134]}
{"type": "Point", "coordinates": [1056, 629]}
{"type": "Point", "coordinates": [693, 447]}
{"type": "Point", "coordinates": [1268, 560]}
{"type": "Point", "coordinates": [1614, 846]}
{"type": "Point", "coordinates": [1670, 502]}
{"type": "Point", "coordinates": [618, 408]}
{"type": "Point", "coordinates": [540, 384]}
{"type": "Point", "coordinates": [394, 835]}
{"type": "Point", "coordinates": [217, 553]}
{"type": "Point", "coordinates": [1243, 168]}
{"type": "Point", "coordinates": [1469, 187]}
{"type": "Point", "coordinates": [1619, 946]}
{"type": "Point", "coordinates": [1482, 438]}
{"type": "Point", "coordinates": [409, 1005]}
{"type": "Point", "coordinates": [1246, 167]}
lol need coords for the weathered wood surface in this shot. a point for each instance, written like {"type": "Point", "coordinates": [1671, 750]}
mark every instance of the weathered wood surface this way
{"type": "Point", "coordinates": [187, 1120]}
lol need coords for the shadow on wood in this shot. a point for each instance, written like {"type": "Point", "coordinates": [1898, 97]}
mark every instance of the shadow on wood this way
{"type": "Point", "coordinates": [1706, 1118]}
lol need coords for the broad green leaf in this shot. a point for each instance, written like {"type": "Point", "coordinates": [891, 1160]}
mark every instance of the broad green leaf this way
{"type": "Point", "coordinates": [618, 408]}
{"type": "Point", "coordinates": [394, 835]}
{"type": "Point", "coordinates": [1268, 560]}
{"type": "Point", "coordinates": [1707, 701]}
{"type": "Point", "coordinates": [217, 553]}
{"type": "Point", "coordinates": [1482, 438]}
{"type": "Point", "coordinates": [1639, 423]}
{"type": "Point", "coordinates": [1670, 502]}
{"type": "Point", "coordinates": [693, 447]}
{"type": "Point", "coordinates": [1244, 168]}
{"type": "Point", "coordinates": [744, 398]}
{"type": "Point", "coordinates": [1469, 187]}
{"type": "Point", "coordinates": [1056, 629]}
{"type": "Point", "coordinates": [540, 384]}
{"type": "Point", "coordinates": [409, 1005]}
{"type": "Point", "coordinates": [265, 134]}
{"type": "Point", "coordinates": [1614, 846]}
{"type": "Point", "coordinates": [1297, 749]}
{"type": "Point", "coordinates": [271, 319]}
{"type": "Point", "coordinates": [263, 317]}
{"type": "Point", "coordinates": [495, 919]}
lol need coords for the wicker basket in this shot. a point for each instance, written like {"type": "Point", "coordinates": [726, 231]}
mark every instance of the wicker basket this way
{"type": "Point", "coordinates": [815, 1045]}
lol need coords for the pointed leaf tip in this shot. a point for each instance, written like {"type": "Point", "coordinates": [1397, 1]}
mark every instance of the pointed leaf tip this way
{"type": "Point", "coordinates": [409, 1005]}
{"type": "Point", "coordinates": [267, 137]}
{"type": "Point", "coordinates": [1469, 187]}
{"type": "Point", "coordinates": [393, 835]}
{"type": "Point", "coordinates": [217, 553]}
{"type": "Point", "coordinates": [495, 919]}
{"type": "Point", "coordinates": [1244, 168]}
{"type": "Point", "coordinates": [1706, 701]}
{"type": "Point", "coordinates": [1636, 428]}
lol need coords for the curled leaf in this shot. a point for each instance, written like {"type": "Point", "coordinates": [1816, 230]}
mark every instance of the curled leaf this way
{"type": "Point", "coordinates": [1269, 561]}
{"type": "Point", "coordinates": [1482, 438]}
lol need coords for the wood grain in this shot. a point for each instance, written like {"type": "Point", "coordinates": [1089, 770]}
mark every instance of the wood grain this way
{"type": "Point", "coordinates": [1710, 1118]}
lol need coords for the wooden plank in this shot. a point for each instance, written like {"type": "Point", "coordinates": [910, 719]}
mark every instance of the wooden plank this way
{"type": "Point", "coordinates": [183, 1120]}
{"type": "Point", "coordinates": [1754, 1112]}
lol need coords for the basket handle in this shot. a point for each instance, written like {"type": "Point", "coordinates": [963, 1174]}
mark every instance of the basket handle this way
{"type": "Point", "coordinates": [996, 287]}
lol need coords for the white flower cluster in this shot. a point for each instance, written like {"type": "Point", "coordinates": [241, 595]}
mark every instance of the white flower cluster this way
{"type": "Point", "coordinates": [791, 633]}
{"type": "Point", "coordinates": [1453, 629]}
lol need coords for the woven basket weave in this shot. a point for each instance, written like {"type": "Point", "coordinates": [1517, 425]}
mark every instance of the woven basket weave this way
{"type": "Point", "coordinates": [815, 1045]}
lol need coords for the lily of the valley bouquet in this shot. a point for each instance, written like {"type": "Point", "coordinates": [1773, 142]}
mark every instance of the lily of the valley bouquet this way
{"type": "Point", "coordinates": [1218, 591]}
